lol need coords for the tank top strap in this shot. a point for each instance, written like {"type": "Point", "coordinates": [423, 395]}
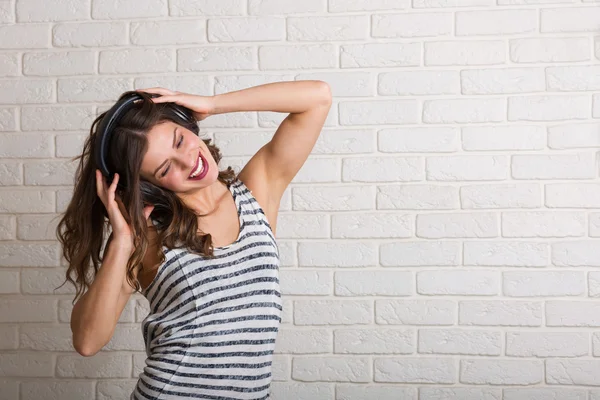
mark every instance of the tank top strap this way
{"type": "Point", "coordinates": [248, 207]}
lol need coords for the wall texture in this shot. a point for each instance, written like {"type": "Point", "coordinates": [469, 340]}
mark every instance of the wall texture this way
{"type": "Point", "coordinates": [440, 243]}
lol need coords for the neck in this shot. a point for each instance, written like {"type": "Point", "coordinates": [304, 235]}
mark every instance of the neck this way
{"type": "Point", "coordinates": [205, 201]}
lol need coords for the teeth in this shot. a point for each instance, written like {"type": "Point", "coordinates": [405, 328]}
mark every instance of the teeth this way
{"type": "Point", "coordinates": [199, 169]}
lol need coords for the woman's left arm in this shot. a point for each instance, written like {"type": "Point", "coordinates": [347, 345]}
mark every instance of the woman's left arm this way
{"type": "Point", "coordinates": [276, 163]}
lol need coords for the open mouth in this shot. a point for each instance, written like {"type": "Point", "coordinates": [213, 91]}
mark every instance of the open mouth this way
{"type": "Point", "coordinates": [200, 169]}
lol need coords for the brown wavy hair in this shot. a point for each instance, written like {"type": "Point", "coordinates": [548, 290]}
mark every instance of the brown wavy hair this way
{"type": "Point", "coordinates": [84, 226]}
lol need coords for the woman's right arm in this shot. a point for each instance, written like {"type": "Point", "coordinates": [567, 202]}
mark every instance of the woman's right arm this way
{"type": "Point", "coordinates": [95, 315]}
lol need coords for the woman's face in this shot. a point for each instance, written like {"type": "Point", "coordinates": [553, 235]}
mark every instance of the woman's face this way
{"type": "Point", "coordinates": [174, 155]}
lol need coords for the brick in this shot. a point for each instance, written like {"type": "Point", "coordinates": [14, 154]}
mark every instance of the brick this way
{"type": "Point", "coordinates": [451, 3]}
{"type": "Point", "coordinates": [168, 32]}
{"type": "Point", "coordinates": [594, 284]}
{"type": "Point", "coordinates": [57, 389]}
{"type": "Point", "coordinates": [374, 283]}
{"type": "Point", "coordinates": [544, 393]}
{"type": "Point", "coordinates": [562, 166]}
{"type": "Point", "coordinates": [378, 391]}
{"type": "Point", "coordinates": [526, 195]}
{"type": "Point", "coordinates": [501, 372]}
{"type": "Point", "coordinates": [580, 19]}
{"type": "Point", "coordinates": [352, 27]}
{"type": "Point", "coordinates": [573, 195]}
{"type": "Point", "coordinates": [496, 22]}
{"type": "Point", "coordinates": [545, 224]}
{"type": "Point", "coordinates": [459, 341]}
{"type": "Point", "coordinates": [303, 226]}
{"type": "Point", "coordinates": [37, 227]}
{"type": "Point", "coordinates": [334, 198]}
{"type": "Point", "coordinates": [333, 312]}
{"type": "Point", "coordinates": [459, 393]}
{"type": "Point", "coordinates": [90, 34]}
{"type": "Point", "coordinates": [374, 5]}
{"type": "Point", "coordinates": [182, 8]}
{"type": "Point", "coordinates": [415, 312]}
{"type": "Point", "coordinates": [8, 227]}
{"type": "Point", "coordinates": [27, 365]}
{"type": "Point", "coordinates": [305, 341]}
{"type": "Point", "coordinates": [380, 225]}
{"type": "Point", "coordinates": [123, 9]}
{"type": "Point", "coordinates": [376, 112]}
{"type": "Point", "coordinates": [276, 7]}
{"type": "Point", "coordinates": [515, 137]}
{"type": "Point", "coordinates": [8, 122]}
{"type": "Point", "coordinates": [374, 341]}
{"type": "Point", "coordinates": [189, 83]}
{"type": "Point", "coordinates": [408, 83]}
{"type": "Point", "coordinates": [28, 255]}
{"type": "Point", "coordinates": [573, 372]}
{"type": "Point", "coordinates": [571, 136]}
{"type": "Point", "coordinates": [331, 369]}
{"type": "Point", "coordinates": [380, 55]}
{"type": "Point", "coordinates": [27, 310]}
{"type": "Point", "coordinates": [580, 253]}
{"type": "Point", "coordinates": [547, 283]}
{"type": "Point", "coordinates": [129, 61]}
{"type": "Point", "coordinates": [473, 52]}
{"type": "Point", "coordinates": [100, 366]}
{"type": "Point", "coordinates": [461, 168]}
{"type": "Point", "coordinates": [344, 84]}
{"type": "Point", "coordinates": [464, 110]}
{"type": "Point", "coordinates": [500, 81]}
{"type": "Point", "coordinates": [323, 170]}
{"type": "Point", "coordinates": [305, 56]}
{"type": "Point", "coordinates": [345, 141]}
{"type": "Point", "coordinates": [306, 282]}
{"type": "Point", "coordinates": [336, 254]}
{"type": "Point", "coordinates": [46, 281]}
{"type": "Point", "coordinates": [55, 118]}
{"type": "Point", "coordinates": [59, 63]}
{"type": "Point", "coordinates": [573, 313]}
{"type": "Point", "coordinates": [25, 36]}
{"type": "Point", "coordinates": [288, 390]}
{"type": "Point", "coordinates": [383, 169]}
{"type": "Point", "coordinates": [23, 90]}
{"type": "Point", "coordinates": [538, 50]}
{"type": "Point", "coordinates": [506, 253]}
{"type": "Point", "coordinates": [50, 172]}
{"type": "Point", "coordinates": [417, 197]}
{"type": "Point", "coordinates": [11, 173]}
{"type": "Point", "coordinates": [92, 89]}
{"type": "Point", "coordinates": [547, 344]}
{"type": "Point", "coordinates": [9, 339]}
{"type": "Point", "coordinates": [418, 140]}
{"type": "Point", "coordinates": [9, 64]}
{"type": "Point", "coordinates": [7, 15]}
{"type": "Point", "coordinates": [46, 338]}
{"type": "Point", "coordinates": [420, 253]}
{"type": "Point", "coordinates": [51, 10]}
{"type": "Point", "coordinates": [411, 25]}
{"type": "Point", "coordinates": [465, 282]}
{"type": "Point", "coordinates": [415, 370]}
{"type": "Point", "coordinates": [500, 313]}
{"type": "Point", "coordinates": [247, 29]}
{"type": "Point", "coordinates": [573, 78]}
{"type": "Point", "coordinates": [9, 284]}
{"type": "Point", "coordinates": [548, 108]}
{"type": "Point", "coordinates": [26, 201]}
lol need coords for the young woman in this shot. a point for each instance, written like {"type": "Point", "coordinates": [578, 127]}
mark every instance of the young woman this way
{"type": "Point", "coordinates": [197, 242]}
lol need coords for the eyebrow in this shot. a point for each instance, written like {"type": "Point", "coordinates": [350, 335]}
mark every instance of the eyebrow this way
{"type": "Point", "coordinates": [164, 162]}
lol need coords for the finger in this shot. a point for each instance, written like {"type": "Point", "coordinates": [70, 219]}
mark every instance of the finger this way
{"type": "Point", "coordinates": [165, 99]}
{"type": "Point", "coordinates": [147, 211]}
{"type": "Point", "coordinates": [113, 185]}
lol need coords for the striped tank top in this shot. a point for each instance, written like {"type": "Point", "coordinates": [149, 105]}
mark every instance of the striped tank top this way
{"type": "Point", "coordinates": [213, 322]}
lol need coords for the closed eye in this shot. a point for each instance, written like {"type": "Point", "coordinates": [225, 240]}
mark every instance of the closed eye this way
{"type": "Point", "coordinates": [178, 146]}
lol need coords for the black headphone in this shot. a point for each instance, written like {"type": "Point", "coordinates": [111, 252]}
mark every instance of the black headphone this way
{"type": "Point", "coordinates": [111, 119]}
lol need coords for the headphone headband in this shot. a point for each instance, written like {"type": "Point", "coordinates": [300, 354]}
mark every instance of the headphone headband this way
{"type": "Point", "coordinates": [111, 119]}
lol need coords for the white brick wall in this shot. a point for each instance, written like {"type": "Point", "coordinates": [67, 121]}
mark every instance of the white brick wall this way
{"type": "Point", "coordinates": [441, 242]}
